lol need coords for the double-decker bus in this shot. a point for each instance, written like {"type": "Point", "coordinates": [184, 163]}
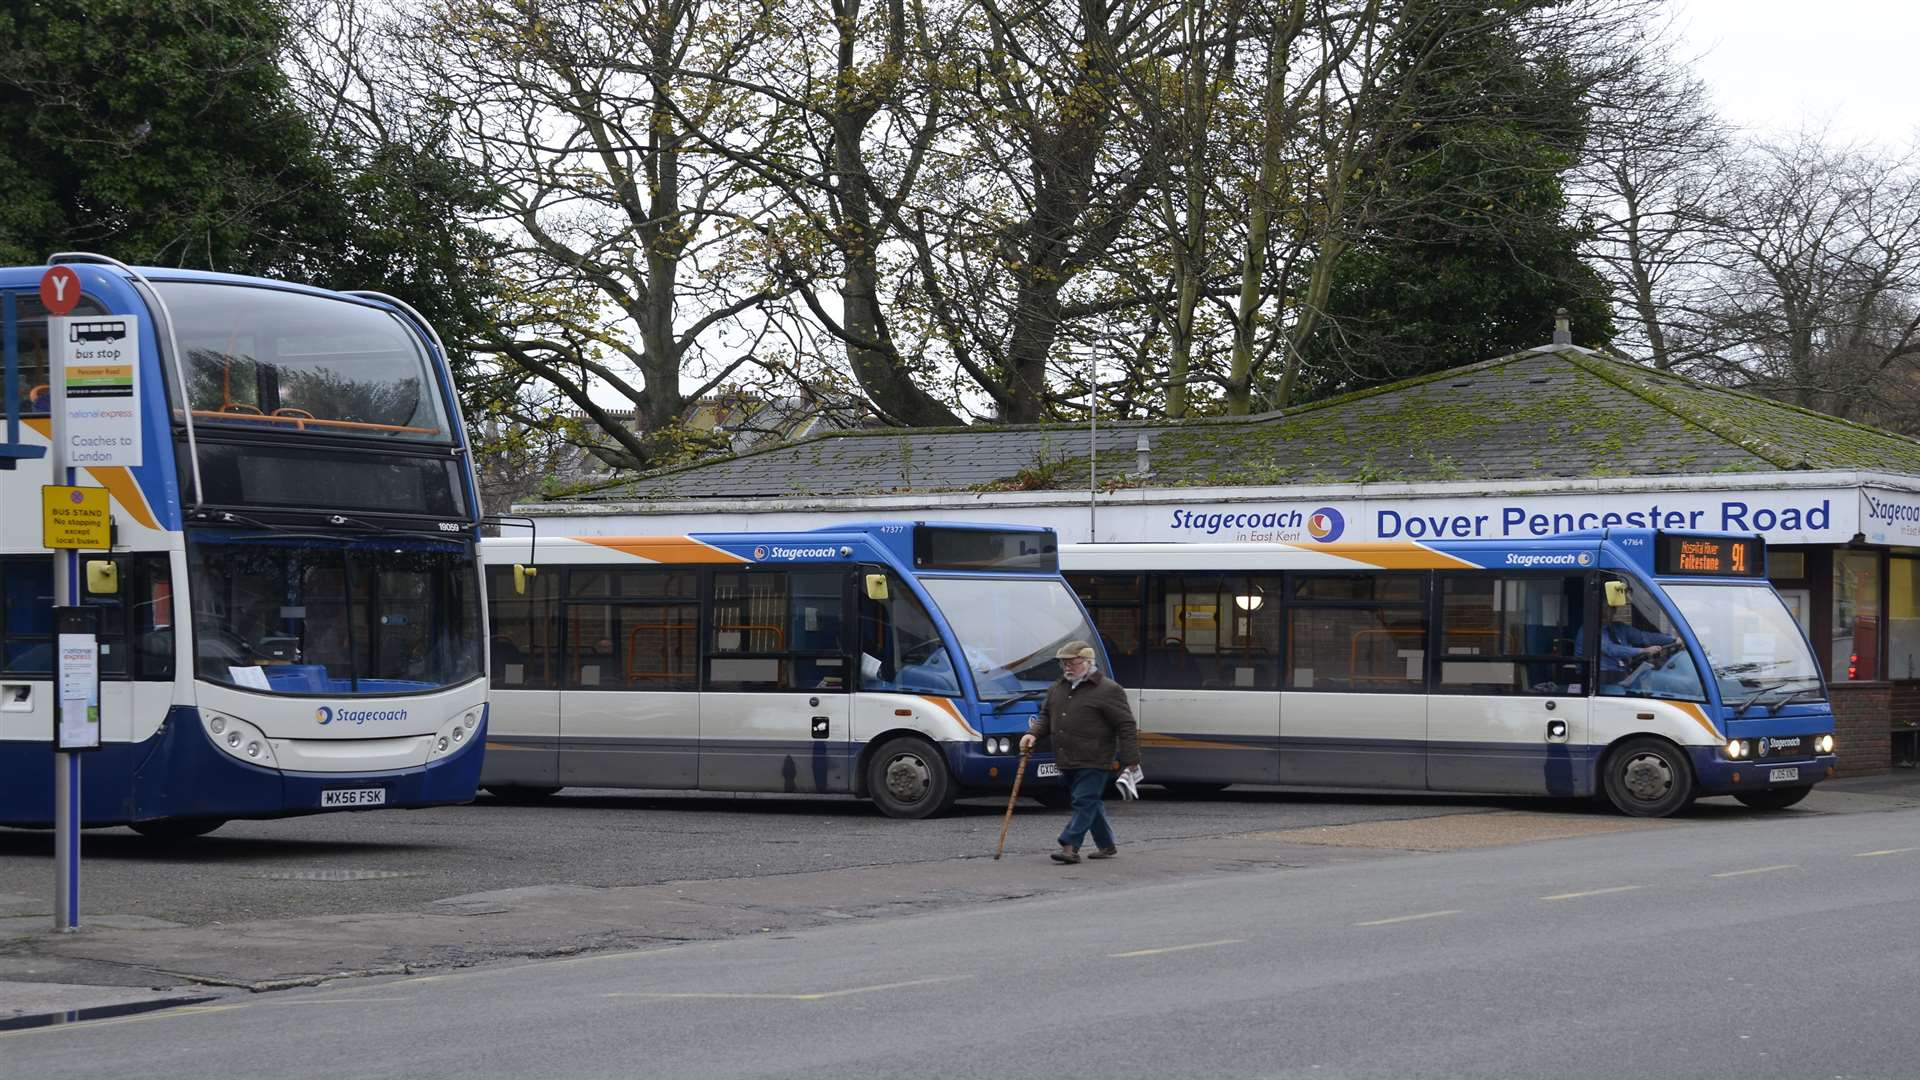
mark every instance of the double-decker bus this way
{"type": "Point", "coordinates": [899, 661]}
{"type": "Point", "coordinates": [1645, 667]}
{"type": "Point", "coordinates": [291, 613]}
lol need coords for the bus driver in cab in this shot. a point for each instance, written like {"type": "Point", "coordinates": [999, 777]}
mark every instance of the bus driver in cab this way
{"type": "Point", "coordinates": [1633, 660]}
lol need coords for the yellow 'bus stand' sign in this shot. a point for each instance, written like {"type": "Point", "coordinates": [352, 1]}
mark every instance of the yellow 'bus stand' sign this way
{"type": "Point", "coordinates": [75, 517]}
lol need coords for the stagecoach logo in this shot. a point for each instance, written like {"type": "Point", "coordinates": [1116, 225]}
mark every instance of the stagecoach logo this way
{"type": "Point", "coordinates": [1326, 525]}
{"type": "Point", "coordinates": [1586, 558]}
{"type": "Point", "coordinates": [324, 715]}
{"type": "Point", "coordinates": [778, 552]}
{"type": "Point", "coordinates": [1780, 742]}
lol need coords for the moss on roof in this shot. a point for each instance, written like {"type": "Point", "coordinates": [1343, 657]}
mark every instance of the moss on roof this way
{"type": "Point", "coordinates": [1561, 411]}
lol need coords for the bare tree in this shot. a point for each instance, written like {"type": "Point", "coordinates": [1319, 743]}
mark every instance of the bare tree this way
{"type": "Point", "coordinates": [1814, 276]}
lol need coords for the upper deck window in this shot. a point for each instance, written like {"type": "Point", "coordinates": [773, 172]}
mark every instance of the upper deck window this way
{"type": "Point", "coordinates": [985, 549]}
{"type": "Point", "coordinates": [271, 360]}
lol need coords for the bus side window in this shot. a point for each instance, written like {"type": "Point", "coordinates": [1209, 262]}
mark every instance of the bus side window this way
{"type": "Point", "coordinates": [900, 648]}
{"type": "Point", "coordinates": [522, 630]}
{"type": "Point", "coordinates": [1365, 632]}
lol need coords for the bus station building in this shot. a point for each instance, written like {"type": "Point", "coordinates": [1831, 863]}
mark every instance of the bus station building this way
{"type": "Point", "coordinates": [1548, 440]}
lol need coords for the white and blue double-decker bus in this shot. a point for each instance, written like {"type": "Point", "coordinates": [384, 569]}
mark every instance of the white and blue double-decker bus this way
{"type": "Point", "coordinates": [290, 611]}
{"type": "Point", "coordinates": [1647, 668]}
{"type": "Point", "coordinates": [899, 661]}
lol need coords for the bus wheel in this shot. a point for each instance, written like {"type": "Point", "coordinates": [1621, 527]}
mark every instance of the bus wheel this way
{"type": "Point", "coordinates": [1774, 798]}
{"type": "Point", "coordinates": [907, 778]}
{"type": "Point", "coordinates": [1649, 778]}
{"type": "Point", "coordinates": [522, 796]}
{"type": "Point", "coordinates": [177, 828]}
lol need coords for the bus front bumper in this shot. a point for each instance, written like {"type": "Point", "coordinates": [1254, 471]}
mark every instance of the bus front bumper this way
{"type": "Point", "coordinates": [1719, 776]}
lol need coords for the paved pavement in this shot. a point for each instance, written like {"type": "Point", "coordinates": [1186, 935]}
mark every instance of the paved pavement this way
{"type": "Point", "coordinates": [120, 959]}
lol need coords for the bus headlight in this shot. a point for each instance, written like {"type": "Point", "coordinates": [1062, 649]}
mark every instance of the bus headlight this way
{"type": "Point", "coordinates": [239, 738]}
{"type": "Point", "coordinates": [453, 734]}
{"type": "Point", "coordinates": [1824, 744]}
{"type": "Point", "coordinates": [1736, 748]}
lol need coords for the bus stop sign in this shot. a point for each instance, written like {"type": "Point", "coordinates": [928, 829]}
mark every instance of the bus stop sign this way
{"type": "Point", "coordinates": [59, 289]}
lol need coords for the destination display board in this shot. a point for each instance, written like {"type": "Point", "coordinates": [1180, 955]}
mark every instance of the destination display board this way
{"type": "Point", "coordinates": [1711, 556]}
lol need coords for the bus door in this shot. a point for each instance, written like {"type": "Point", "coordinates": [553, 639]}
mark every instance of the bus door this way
{"type": "Point", "coordinates": [523, 695]}
{"type": "Point", "coordinates": [775, 713]}
{"type": "Point", "coordinates": [630, 709]}
{"type": "Point", "coordinates": [1510, 702]}
{"type": "Point", "coordinates": [1209, 701]}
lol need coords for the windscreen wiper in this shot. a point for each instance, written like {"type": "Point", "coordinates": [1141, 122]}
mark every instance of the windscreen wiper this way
{"type": "Point", "coordinates": [1023, 695]}
{"type": "Point", "coordinates": [1741, 710]}
{"type": "Point", "coordinates": [1782, 703]}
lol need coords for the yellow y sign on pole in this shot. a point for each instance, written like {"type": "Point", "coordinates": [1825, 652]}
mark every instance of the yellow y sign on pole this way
{"type": "Point", "coordinates": [75, 518]}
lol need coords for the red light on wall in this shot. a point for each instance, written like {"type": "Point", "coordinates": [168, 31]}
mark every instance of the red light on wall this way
{"type": "Point", "coordinates": [1853, 666]}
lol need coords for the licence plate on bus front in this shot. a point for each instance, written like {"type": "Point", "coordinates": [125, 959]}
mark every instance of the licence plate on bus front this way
{"type": "Point", "coordinates": [372, 796]}
{"type": "Point", "coordinates": [1777, 775]}
{"type": "Point", "coordinates": [1046, 770]}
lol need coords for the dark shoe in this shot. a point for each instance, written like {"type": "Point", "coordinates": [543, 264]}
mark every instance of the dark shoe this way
{"type": "Point", "coordinates": [1066, 855]}
{"type": "Point", "coordinates": [1105, 853]}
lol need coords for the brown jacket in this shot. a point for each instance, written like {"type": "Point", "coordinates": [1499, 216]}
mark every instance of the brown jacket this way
{"type": "Point", "coordinates": [1091, 724]}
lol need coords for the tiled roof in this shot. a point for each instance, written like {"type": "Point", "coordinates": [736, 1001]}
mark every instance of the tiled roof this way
{"type": "Point", "coordinates": [1560, 411]}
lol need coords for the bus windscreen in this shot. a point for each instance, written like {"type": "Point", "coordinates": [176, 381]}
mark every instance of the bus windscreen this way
{"type": "Point", "coordinates": [985, 549]}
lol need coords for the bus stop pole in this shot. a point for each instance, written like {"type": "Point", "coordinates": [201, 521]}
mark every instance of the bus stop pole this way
{"type": "Point", "coordinates": [66, 765]}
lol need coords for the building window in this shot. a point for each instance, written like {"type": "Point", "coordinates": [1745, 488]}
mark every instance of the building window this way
{"type": "Point", "coordinates": [1903, 618]}
{"type": "Point", "coordinates": [1856, 616]}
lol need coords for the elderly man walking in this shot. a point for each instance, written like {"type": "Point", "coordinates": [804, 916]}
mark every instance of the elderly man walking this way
{"type": "Point", "coordinates": [1092, 728]}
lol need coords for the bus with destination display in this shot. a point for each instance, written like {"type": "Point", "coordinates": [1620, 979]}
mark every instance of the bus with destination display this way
{"type": "Point", "coordinates": [1644, 667]}
{"type": "Point", "coordinates": [290, 607]}
{"type": "Point", "coordinates": [898, 661]}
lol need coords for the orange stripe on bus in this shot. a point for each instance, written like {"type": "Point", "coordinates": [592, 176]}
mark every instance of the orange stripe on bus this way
{"type": "Point", "coordinates": [1699, 717]}
{"type": "Point", "coordinates": [1391, 556]}
{"type": "Point", "coordinates": [1155, 738]}
{"type": "Point", "coordinates": [664, 549]}
{"type": "Point", "coordinates": [951, 709]}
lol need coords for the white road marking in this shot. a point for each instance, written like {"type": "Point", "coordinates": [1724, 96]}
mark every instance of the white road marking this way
{"type": "Point", "coordinates": [1407, 918]}
{"type": "Point", "coordinates": [1592, 892]}
{"type": "Point", "coordinates": [1758, 870]}
{"type": "Point", "coordinates": [1176, 948]}
{"type": "Point", "coordinates": [1888, 851]}
{"type": "Point", "coordinates": [821, 996]}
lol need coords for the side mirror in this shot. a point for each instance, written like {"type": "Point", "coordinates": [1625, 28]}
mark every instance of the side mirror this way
{"type": "Point", "coordinates": [876, 586]}
{"type": "Point", "coordinates": [1616, 594]}
{"type": "Point", "coordinates": [521, 572]}
{"type": "Point", "coordinates": [103, 577]}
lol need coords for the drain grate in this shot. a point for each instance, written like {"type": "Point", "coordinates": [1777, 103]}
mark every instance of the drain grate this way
{"type": "Point", "coordinates": [332, 875]}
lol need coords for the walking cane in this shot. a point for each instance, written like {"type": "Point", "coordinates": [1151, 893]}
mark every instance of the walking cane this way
{"type": "Point", "coordinates": [1011, 799]}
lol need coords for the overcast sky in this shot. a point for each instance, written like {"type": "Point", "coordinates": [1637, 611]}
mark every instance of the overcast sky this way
{"type": "Point", "coordinates": [1778, 65]}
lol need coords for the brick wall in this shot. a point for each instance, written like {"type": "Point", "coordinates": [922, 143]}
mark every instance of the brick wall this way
{"type": "Point", "coordinates": [1862, 714]}
{"type": "Point", "coordinates": [1904, 713]}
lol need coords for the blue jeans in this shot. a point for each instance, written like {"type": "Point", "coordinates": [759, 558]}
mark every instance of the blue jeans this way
{"type": "Point", "coordinates": [1089, 812]}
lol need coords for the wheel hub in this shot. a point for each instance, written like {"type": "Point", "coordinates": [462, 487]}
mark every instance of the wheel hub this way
{"type": "Point", "coordinates": [908, 778]}
{"type": "Point", "coordinates": [1647, 777]}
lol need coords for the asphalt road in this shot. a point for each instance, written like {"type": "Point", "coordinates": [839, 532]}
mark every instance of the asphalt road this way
{"type": "Point", "coordinates": [1759, 947]}
{"type": "Point", "coordinates": [390, 860]}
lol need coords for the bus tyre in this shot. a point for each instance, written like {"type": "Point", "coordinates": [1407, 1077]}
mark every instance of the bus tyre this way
{"type": "Point", "coordinates": [1649, 778]}
{"type": "Point", "coordinates": [177, 828]}
{"type": "Point", "coordinates": [1774, 798]}
{"type": "Point", "coordinates": [522, 796]}
{"type": "Point", "coordinates": [908, 778]}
